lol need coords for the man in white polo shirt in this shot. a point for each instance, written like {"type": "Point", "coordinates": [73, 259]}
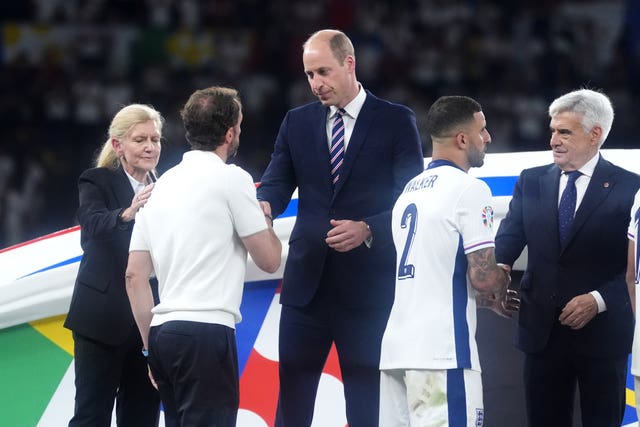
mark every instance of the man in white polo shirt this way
{"type": "Point", "coordinates": [194, 233]}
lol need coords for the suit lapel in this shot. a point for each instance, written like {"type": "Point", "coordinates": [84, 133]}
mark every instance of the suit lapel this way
{"type": "Point", "coordinates": [320, 144]}
{"type": "Point", "coordinates": [600, 186]}
{"type": "Point", "coordinates": [549, 183]}
{"type": "Point", "coordinates": [122, 188]}
{"type": "Point", "coordinates": [363, 123]}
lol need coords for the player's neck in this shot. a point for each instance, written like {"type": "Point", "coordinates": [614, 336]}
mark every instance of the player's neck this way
{"type": "Point", "coordinates": [446, 157]}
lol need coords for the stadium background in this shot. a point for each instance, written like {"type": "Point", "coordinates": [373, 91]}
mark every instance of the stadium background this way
{"type": "Point", "coordinates": [66, 66]}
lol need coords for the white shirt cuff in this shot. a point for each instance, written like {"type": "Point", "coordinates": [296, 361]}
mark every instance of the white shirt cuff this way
{"type": "Point", "coordinates": [601, 304]}
{"type": "Point", "coordinates": [369, 240]}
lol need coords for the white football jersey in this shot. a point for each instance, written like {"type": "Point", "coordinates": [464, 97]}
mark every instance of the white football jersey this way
{"type": "Point", "coordinates": [442, 215]}
{"type": "Point", "coordinates": [632, 233]}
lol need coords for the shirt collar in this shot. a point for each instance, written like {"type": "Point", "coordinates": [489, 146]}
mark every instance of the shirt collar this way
{"type": "Point", "coordinates": [135, 184]}
{"type": "Point", "coordinates": [589, 167]}
{"type": "Point", "coordinates": [353, 108]}
{"type": "Point", "coordinates": [442, 162]}
{"type": "Point", "coordinates": [202, 153]}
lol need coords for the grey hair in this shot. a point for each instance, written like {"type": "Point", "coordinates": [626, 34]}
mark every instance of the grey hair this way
{"type": "Point", "coordinates": [595, 107]}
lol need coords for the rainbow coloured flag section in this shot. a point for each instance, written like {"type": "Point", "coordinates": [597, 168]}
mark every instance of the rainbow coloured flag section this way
{"type": "Point", "coordinates": [37, 369]}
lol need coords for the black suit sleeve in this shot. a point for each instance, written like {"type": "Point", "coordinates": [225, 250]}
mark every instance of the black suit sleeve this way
{"type": "Point", "coordinates": [95, 217]}
{"type": "Point", "coordinates": [279, 181]}
{"type": "Point", "coordinates": [408, 161]}
{"type": "Point", "coordinates": [99, 306]}
{"type": "Point", "coordinates": [511, 238]}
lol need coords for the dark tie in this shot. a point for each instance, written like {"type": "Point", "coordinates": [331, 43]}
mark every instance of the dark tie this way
{"type": "Point", "coordinates": [336, 151]}
{"type": "Point", "coordinates": [567, 206]}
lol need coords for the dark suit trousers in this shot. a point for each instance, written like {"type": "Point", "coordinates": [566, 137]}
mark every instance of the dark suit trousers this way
{"type": "Point", "coordinates": [196, 368]}
{"type": "Point", "coordinates": [306, 335]}
{"type": "Point", "coordinates": [104, 373]}
{"type": "Point", "coordinates": [551, 377]}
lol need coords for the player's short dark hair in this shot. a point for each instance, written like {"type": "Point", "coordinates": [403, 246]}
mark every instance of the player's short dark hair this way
{"type": "Point", "coordinates": [449, 112]}
{"type": "Point", "coordinates": [208, 114]}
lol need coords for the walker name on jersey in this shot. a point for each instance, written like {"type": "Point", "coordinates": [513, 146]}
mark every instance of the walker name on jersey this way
{"type": "Point", "coordinates": [420, 183]}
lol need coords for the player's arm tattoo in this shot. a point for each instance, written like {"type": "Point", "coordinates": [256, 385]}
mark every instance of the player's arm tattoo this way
{"type": "Point", "coordinates": [484, 302]}
{"type": "Point", "coordinates": [484, 273]}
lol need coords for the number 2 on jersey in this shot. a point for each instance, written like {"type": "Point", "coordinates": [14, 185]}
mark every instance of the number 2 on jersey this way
{"type": "Point", "coordinates": [409, 219]}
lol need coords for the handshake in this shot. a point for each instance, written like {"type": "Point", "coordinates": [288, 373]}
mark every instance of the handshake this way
{"type": "Point", "coordinates": [505, 303]}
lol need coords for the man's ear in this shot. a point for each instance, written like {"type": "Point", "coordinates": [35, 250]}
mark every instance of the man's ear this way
{"type": "Point", "coordinates": [461, 140]}
{"type": "Point", "coordinates": [228, 136]}
{"type": "Point", "coordinates": [350, 62]}
{"type": "Point", "coordinates": [596, 134]}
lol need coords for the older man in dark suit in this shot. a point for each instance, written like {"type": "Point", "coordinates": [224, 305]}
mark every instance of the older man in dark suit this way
{"type": "Point", "coordinates": [350, 155]}
{"type": "Point", "coordinates": [576, 324]}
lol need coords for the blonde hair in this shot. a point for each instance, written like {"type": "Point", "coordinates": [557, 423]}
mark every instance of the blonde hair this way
{"type": "Point", "coordinates": [121, 125]}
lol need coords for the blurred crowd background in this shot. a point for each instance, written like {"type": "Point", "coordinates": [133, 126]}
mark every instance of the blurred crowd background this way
{"type": "Point", "coordinates": [66, 66]}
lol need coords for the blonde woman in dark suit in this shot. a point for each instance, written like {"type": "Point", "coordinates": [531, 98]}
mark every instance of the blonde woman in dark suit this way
{"type": "Point", "coordinates": [109, 363]}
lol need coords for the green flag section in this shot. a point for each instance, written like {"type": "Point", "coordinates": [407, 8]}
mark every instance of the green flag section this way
{"type": "Point", "coordinates": [31, 366]}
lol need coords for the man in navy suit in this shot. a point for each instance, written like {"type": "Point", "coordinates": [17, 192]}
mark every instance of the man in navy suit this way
{"type": "Point", "coordinates": [338, 283]}
{"type": "Point", "coordinates": [575, 324]}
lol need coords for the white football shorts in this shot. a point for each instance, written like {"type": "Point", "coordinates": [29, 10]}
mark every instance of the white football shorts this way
{"type": "Point", "coordinates": [451, 397]}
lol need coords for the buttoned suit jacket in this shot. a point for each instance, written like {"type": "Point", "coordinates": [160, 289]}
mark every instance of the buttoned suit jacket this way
{"type": "Point", "coordinates": [383, 153]}
{"type": "Point", "coordinates": [592, 258]}
{"type": "Point", "coordinates": [99, 306]}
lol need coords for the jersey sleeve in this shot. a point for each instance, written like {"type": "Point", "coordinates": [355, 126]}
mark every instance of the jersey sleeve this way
{"type": "Point", "coordinates": [475, 217]}
{"type": "Point", "coordinates": [246, 214]}
{"type": "Point", "coordinates": [634, 216]}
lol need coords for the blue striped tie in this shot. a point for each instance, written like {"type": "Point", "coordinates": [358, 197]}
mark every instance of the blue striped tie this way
{"type": "Point", "coordinates": [336, 151]}
{"type": "Point", "coordinates": [567, 206]}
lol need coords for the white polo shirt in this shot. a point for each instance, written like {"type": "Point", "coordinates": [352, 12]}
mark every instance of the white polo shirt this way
{"type": "Point", "coordinates": [192, 225]}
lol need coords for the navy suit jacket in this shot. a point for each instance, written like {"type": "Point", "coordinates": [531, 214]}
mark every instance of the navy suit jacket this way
{"type": "Point", "coordinates": [100, 307]}
{"type": "Point", "coordinates": [383, 153]}
{"type": "Point", "coordinates": [593, 257]}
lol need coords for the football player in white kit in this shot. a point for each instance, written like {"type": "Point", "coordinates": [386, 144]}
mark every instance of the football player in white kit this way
{"type": "Point", "coordinates": [442, 230]}
{"type": "Point", "coordinates": [633, 280]}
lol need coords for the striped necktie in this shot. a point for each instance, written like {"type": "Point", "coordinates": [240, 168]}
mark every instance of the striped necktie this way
{"type": "Point", "coordinates": [336, 151]}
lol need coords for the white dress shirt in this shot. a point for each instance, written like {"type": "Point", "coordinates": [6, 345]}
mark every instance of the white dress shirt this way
{"type": "Point", "coordinates": [349, 118]}
{"type": "Point", "coordinates": [582, 182]}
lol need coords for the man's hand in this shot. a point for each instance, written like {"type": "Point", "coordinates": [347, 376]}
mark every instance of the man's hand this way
{"type": "Point", "coordinates": [579, 311]}
{"type": "Point", "coordinates": [266, 207]}
{"type": "Point", "coordinates": [507, 270]}
{"type": "Point", "coordinates": [266, 210]}
{"type": "Point", "coordinates": [153, 380]}
{"type": "Point", "coordinates": [505, 307]}
{"type": "Point", "coordinates": [346, 234]}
